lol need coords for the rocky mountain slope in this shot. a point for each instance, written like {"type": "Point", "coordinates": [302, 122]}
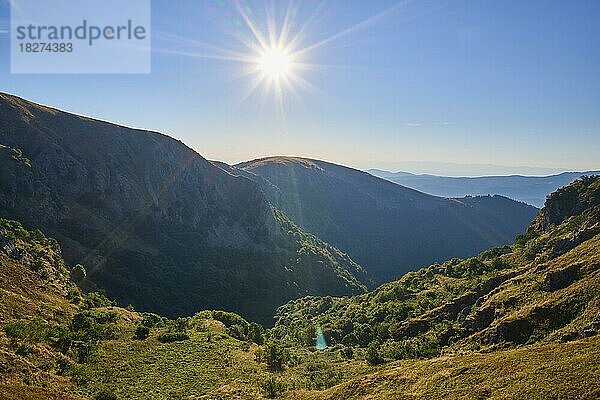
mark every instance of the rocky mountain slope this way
{"type": "Point", "coordinates": [387, 228]}
{"type": "Point", "coordinates": [540, 295]}
{"type": "Point", "coordinates": [528, 189]}
{"type": "Point", "coordinates": [154, 223]}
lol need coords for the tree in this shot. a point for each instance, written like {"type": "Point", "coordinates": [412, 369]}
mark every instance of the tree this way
{"type": "Point", "coordinates": [274, 356]}
{"type": "Point", "coordinates": [373, 357]}
{"type": "Point", "coordinates": [142, 332]}
{"type": "Point", "coordinates": [256, 333]}
{"type": "Point", "coordinates": [78, 273]}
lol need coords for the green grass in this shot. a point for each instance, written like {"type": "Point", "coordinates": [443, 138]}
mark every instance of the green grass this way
{"type": "Point", "coordinates": [208, 364]}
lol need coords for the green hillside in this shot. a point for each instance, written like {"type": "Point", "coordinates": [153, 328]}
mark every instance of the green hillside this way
{"type": "Point", "coordinates": [510, 309]}
{"type": "Point", "coordinates": [516, 322]}
{"type": "Point", "coordinates": [555, 371]}
{"type": "Point", "coordinates": [56, 343]}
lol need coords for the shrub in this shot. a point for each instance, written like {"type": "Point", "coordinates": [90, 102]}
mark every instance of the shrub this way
{"type": "Point", "coordinates": [93, 325]}
{"type": "Point", "coordinates": [272, 387]}
{"type": "Point", "coordinates": [179, 325]}
{"type": "Point", "coordinates": [23, 350]}
{"type": "Point", "coordinates": [237, 332]}
{"type": "Point", "coordinates": [321, 375]}
{"type": "Point", "coordinates": [74, 294]}
{"type": "Point", "coordinates": [274, 356]}
{"type": "Point", "coordinates": [152, 320]}
{"type": "Point", "coordinates": [142, 332]}
{"type": "Point", "coordinates": [229, 318]}
{"type": "Point", "coordinates": [419, 347]}
{"type": "Point", "coordinates": [34, 331]}
{"type": "Point", "coordinates": [245, 346]}
{"type": "Point", "coordinates": [522, 239]}
{"type": "Point", "coordinates": [169, 337]}
{"type": "Point", "coordinates": [84, 350]}
{"type": "Point", "coordinates": [373, 357]}
{"type": "Point", "coordinates": [347, 352]}
{"type": "Point", "coordinates": [78, 273]}
{"type": "Point", "coordinates": [105, 394]}
{"type": "Point", "coordinates": [63, 366]}
{"type": "Point", "coordinates": [256, 333]}
{"type": "Point", "coordinates": [96, 300]}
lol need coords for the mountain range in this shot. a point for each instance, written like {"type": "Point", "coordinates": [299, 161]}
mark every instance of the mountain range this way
{"type": "Point", "coordinates": [158, 226]}
{"type": "Point", "coordinates": [528, 189]}
{"type": "Point", "coordinates": [514, 322]}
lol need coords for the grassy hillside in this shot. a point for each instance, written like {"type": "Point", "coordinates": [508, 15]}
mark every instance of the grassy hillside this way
{"type": "Point", "coordinates": [34, 292]}
{"type": "Point", "coordinates": [154, 223]}
{"type": "Point", "coordinates": [387, 228]}
{"type": "Point", "coordinates": [57, 343]}
{"type": "Point", "coordinates": [544, 290]}
{"type": "Point", "coordinates": [515, 322]}
{"type": "Point", "coordinates": [555, 371]}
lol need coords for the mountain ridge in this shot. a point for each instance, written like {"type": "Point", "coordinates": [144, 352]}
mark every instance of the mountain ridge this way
{"type": "Point", "coordinates": [388, 228]}
{"type": "Point", "coordinates": [155, 223]}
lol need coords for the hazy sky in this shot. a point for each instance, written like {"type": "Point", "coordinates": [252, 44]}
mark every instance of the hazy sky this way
{"type": "Point", "coordinates": [512, 83]}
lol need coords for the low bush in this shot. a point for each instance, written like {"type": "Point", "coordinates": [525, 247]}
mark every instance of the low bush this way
{"type": "Point", "coordinates": [142, 332]}
{"type": "Point", "coordinates": [169, 337]}
{"type": "Point", "coordinates": [272, 387]}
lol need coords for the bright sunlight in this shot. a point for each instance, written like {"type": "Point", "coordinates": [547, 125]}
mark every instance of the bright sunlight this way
{"type": "Point", "coordinates": [275, 63]}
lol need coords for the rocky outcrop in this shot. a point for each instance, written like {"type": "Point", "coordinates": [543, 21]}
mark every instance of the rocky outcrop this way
{"type": "Point", "coordinates": [566, 202]}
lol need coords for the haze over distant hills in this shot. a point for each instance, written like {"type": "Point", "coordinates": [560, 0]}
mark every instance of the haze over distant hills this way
{"type": "Point", "coordinates": [529, 189]}
{"type": "Point", "coordinates": [387, 228]}
{"type": "Point", "coordinates": [464, 169]}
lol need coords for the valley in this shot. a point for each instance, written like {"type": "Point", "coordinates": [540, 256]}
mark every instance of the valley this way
{"type": "Point", "coordinates": [497, 325]}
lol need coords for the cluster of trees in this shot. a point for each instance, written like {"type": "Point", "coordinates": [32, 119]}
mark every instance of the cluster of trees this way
{"type": "Point", "coordinates": [178, 329]}
{"type": "Point", "coordinates": [239, 328]}
{"type": "Point", "coordinates": [79, 338]}
{"type": "Point", "coordinates": [376, 321]}
{"type": "Point", "coordinates": [274, 355]}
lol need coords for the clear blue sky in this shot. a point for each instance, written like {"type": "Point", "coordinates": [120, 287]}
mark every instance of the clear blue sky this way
{"type": "Point", "coordinates": [512, 83]}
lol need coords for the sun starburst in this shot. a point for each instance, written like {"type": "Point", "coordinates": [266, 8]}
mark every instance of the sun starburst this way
{"type": "Point", "coordinates": [272, 46]}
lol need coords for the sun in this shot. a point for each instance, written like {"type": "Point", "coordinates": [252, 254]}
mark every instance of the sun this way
{"type": "Point", "coordinates": [274, 48]}
{"type": "Point", "coordinates": [275, 63]}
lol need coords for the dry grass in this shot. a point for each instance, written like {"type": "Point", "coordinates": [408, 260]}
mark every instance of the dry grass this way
{"type": "Point", "coordinates": [558, 371]}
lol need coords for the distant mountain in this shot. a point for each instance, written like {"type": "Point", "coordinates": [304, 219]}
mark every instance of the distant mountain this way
{"type": "Point", "coordinates": [387, 228]}
{"type": "Point", "coordinates": [154, 223]}
{"type": "Point", "coordinates": [529, 189]}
